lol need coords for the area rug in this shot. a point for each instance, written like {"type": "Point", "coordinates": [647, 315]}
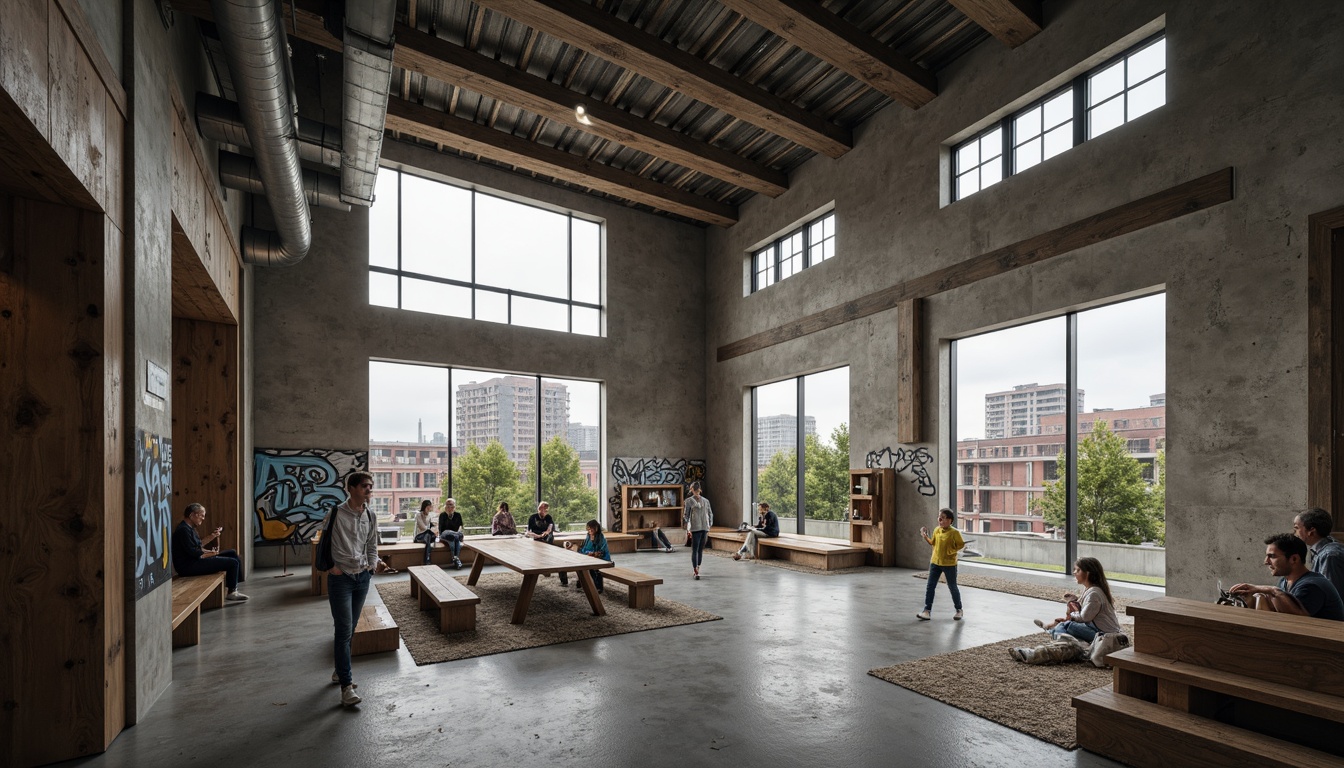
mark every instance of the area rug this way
{"type": "Point", "coordinates": [786, 565]}
{"type": "Point", "coordinates": [986, 682]}
{"type": "Point", "coordinates": [1027, 589]}
{"type": "Point", "coordinates": [555, 616]}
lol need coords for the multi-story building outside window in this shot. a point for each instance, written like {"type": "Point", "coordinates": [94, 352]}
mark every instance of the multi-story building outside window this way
{"type": "Point", "coordinates": [479, 405]}
{"type": "Point", "coordinates": [779, 433]}
{"type": "Point", "coordinates": [1027, 404]}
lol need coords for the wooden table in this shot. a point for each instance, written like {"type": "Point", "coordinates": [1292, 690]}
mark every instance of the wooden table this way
{"type": "Point", "coordinates": [531, 559]}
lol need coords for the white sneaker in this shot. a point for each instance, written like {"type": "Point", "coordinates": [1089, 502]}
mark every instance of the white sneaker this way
{"type": "Point", "coordinates": [348, 696]}
{"type": "Point", "coordinates": [957, 616]}
{"type": "Point", "coordinates": [236, 596]}
{"type": "Point", "coordinates": [922, 615]}
{"type": "Point", "coordinates": [669, 549]}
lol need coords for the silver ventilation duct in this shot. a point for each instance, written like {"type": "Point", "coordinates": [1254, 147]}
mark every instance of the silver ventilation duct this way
{"type": "Point", "coordinates": [219, 119]}
{"type": "Point", "coordinates": [368, 76]}
{"type": "Point", "coordinates": [241, 173]}
{"type": "Point", "coordinates": [254, 45]}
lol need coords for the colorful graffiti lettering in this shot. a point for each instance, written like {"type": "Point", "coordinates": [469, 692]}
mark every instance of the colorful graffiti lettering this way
{"type": "Point", "coordinates": [153, 510]}
{"type": "Point", "coordinates": [293, 490]}
{"type": "Point", "coordinates": [650, 471]}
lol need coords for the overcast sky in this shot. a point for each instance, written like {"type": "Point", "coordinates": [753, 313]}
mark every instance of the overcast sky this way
{"type": "Point", "coordinates": [826, 399]}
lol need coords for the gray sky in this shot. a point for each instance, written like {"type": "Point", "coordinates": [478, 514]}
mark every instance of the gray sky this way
{"type": "Point", "coordinates": [827, 399]}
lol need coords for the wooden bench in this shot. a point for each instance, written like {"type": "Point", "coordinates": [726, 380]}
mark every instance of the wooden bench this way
{"type": "Point", "coordinates": [818, 552]}
{"type": "Point", "coordinates": [639, 585]}
{"type": "Point", "coordinates": [456, 603]}
{"type": "Point", "coordinates": [617, 543]}
{"type": "Point", "coordinates": [376, 632]}
{"type": "Point", "coordinates": [190, 595]}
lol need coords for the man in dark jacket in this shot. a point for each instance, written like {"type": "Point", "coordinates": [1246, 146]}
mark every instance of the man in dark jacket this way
{"type": "Point", "coordinates": [191, 558]}
{"type": "Point", "coordinates": [767, 527]}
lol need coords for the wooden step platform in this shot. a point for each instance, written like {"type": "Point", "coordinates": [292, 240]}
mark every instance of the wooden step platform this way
{"type": "Point", "coordinates": [639, 586]}
{"type": "Point", "coordinates": [818, 552]}
{"type": "Point", "coordinates": [376, 632]}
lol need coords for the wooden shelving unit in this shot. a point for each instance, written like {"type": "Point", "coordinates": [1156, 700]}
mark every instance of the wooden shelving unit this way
{"type": "Point", "coordinates": [872, 513]}
{"type": "Point", "coordinates": [661, 504]}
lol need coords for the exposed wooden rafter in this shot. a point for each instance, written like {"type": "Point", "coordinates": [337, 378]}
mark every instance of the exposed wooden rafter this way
{"type": "Point", "coordinates": [589, 28]}
{"type": "Point", "coordinates": [809, 26]}
{"type": "Point", "coordinates": [1013, 22]}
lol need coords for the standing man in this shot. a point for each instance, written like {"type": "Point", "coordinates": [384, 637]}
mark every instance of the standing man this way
{"type": "Point", "coordinates": [541, 526]}
{"type": "Point", "coordinates": [1300, 591]}
{"type": "Point", "coordinates": [767, 527]}
{"type": "Point", "coordinates": [191, 558]}
{"type": "Point", "coordinates": [354, 549]}
{"type": "Point", "coordinates": [1327, 555]}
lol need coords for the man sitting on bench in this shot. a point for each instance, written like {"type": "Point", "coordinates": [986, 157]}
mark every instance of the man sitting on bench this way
{"type": "Point", "coordinates": [1300, 592]}
{"type": "Point", "coordinates": [191, 558]}
{"type": "Point", "coordinates": [767, 527]}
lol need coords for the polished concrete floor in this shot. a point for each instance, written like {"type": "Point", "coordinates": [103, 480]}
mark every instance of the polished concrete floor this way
{"type": "Point", "coordinates": [781, 681]}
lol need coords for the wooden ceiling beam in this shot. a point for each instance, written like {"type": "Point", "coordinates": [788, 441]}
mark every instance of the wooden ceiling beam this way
{"type": "Point", "coordinates": [809, 26]}
{"type": "Point", "coordinates": [601, 34]}
{"type": "Point", "coordinates": [1013, 22]}
{"type": "Point", "coordinates": [427, 123]}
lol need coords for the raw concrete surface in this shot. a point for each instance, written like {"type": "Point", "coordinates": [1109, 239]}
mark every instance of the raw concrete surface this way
{"type": "Point", "coordinates": [780, 681]}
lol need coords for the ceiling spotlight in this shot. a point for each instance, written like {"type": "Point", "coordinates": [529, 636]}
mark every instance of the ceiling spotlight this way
{"type": "Point", "coordinates": [581, 115]}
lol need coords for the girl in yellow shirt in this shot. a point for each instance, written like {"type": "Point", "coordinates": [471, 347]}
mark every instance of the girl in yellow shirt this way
{"type": "Point", "coordinates": [946, 542]}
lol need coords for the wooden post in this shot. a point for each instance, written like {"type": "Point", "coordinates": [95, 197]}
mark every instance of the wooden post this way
{"type": "Point", "coordinates": [1325, 379]}
{"type": "Point", "coordinates": [909, 355]}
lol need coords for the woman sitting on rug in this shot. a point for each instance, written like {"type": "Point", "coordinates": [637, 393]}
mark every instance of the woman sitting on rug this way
{"type": "Point", "coordinates": [594, 544]}
{"type": "Point", "coordinates": [502, 524]}
{"type": "Point", "coordinates": [1094, 614]}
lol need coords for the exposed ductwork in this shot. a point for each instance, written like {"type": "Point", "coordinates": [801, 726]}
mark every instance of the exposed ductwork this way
{"type": "Point", "coordinates": [254, 46]}
{"type": "Point", "coordinates": [219, 119]}
{"type": "Point", "coordinates": [241, 173]}
{"type": "Point", "coordinates": [368, 76]}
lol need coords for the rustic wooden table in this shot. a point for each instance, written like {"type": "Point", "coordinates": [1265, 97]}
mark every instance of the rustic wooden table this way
{"type": "Point", "coordinates": [532, 559]}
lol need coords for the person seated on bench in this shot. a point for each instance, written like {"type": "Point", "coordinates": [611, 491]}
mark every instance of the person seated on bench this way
{"type": "Point", "coordinates": [1327, 555]}
{"type": "Point", "coordinates": [1096, 609]}
{"type": "Point", "coordinates": [594, 544]}
{"type": "Point", "coordinates": [659, 539]}
{"type": "Point", "coordinates": [767, 527]}
{"type": "Point", "coordinates": [191, 558]}
{"type": "Point", "coordinates": [541, 526]}
{"type": "Point", "coordinates": [502, 523]}
{"type": "Point", "coordinates": [1300, 592]}
{"type": "Point", "coordinates": [450, 530]}
{"type": "Point", "coordinates": [424, 528]}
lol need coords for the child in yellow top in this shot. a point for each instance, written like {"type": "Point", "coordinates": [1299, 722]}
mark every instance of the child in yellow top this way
{"type": "Point", "coordinates": [946, 542]}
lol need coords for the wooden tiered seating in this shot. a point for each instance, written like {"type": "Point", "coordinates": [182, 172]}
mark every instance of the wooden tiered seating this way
{"type": "Point", "coordinates": [1220, 686]}
{"type": "Point", "coordinates": [813, 551]}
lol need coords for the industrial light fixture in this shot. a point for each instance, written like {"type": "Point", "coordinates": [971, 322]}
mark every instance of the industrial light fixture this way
{"type": "Point", "coordinates": [581, 115]}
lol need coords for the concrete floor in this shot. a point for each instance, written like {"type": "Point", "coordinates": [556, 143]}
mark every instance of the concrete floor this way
{"type": "Point", "coordinates": [781, 681]}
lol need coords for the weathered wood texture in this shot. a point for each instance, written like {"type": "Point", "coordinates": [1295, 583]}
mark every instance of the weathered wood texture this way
{"type": "Point", "coordinates": [1325, 360]}
{"type": "Point", "coordinates": [61, 542]}
{"type": "Point", "coordinates": [909, 373]}
{"type": "Point", "coordinates": [1013, 22]}
{"type": "Point", "coordinates": [206, 398]}
{"type": "Point", "coordinates": [376, 632]}
{"type": "Point", "coordinates": [639, 586]}
{"type": "Point", "coordinates": [455, 602]}
{"type": "Point", "coordinates": [875, 528]}
{"type": "Point", "coordinates": [190, 595]}
{"type": "Point", "coordinates": [1173, 203]}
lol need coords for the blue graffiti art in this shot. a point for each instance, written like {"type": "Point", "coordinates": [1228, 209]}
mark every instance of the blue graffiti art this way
{"type": "Point", "coordinates": [293, 490]}
{"type": "Point", "coordinates": [153, 510]}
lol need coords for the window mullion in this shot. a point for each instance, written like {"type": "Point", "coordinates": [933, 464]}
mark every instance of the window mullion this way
{"type": "Point", "coordinates": [1006, 141]}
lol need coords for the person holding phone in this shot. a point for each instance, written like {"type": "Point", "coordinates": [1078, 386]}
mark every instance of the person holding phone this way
{"type": "Point", "coordinates": [191, 558]}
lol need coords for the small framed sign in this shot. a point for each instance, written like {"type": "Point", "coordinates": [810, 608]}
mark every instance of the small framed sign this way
{"type": "Point", "coordinates": [156, 380]}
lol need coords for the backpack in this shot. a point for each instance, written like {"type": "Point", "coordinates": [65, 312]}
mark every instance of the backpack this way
{"type": "Point", "coordinates": [1103, 644]}
{"type": "Point", "coordinates": [323, 559]}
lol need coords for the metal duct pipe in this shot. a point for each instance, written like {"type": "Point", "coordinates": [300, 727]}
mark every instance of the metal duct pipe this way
{"type": "Point", "coordinates": [254, 45]}
{"type": "Point", "coordinates": [219, 119]}
{"type": "Point", "coordinates": [368, 76]}
{"type": "Point", "coordinates": [241, 173]}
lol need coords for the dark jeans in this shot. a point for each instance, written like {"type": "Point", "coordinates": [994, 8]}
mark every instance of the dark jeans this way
{"type": "Point", "coordinates": [597, 578]}
{"type": "Point", "coordinates": [934, 572]}
{"type": "Point", "coordinates": [226, 561]}
{"type": "Point", "coordinates": [346, 594]}
{"type": "Point", "coordinates": [658, 539]}
{"type": "Point", "coordinates": [698, 539]}
{"type": "Point", "coordinates": [454, 541]}
{"type": "Point", "coordinates": [428, 538]}
{"type": "Point", "coordinates": [550, 539]}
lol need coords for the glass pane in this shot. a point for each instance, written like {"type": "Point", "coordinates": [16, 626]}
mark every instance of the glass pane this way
{"type": "Point", "coordinates": [535, 313]}
{"type": "Point", "coordinates": [1105, 83]}
{"type": "Point", "coordinates": [765, 278]}
{"type": "Point", "coordinates": [829, 248]}
{"type": "Point", "coordinates": [587, 322]}
{"type": "Point", "coordinates": [991, 172]}
{"type": "Point", "coordinates": [788, 267]}
{"type": "Point", "coordinates": [968, 155]}
{"type": "Point", "coordinates": [776, 451]}
{"type": "Point", "coordinates": [1122, 437]}
{"type": "Point", "coordinates": [826, 453]}
{"type": "Point", "coordinates": [571, 441]}
{"type": "Point", "coordinates": [383, 221]}
{"type": "Point", "coordinates": [1027, 124]}
{"type": "Point", "coordinates": [494, 432]}
{"type": "Point", "coordinates": [1148, 96]}
{"type": "Point", "coordinates": [829, 226]}
{"type": "Point", "coordinates": [1059, 109]}
{"type": "Point", "coordinates": [408, 436]}
{"type": "Point", "coordinates": [1148, 62]}
{"type": "Point", "coordinates": [968, 183]}
{"type": "Point", "coordinates": [587, 255]}
{"type": "Point", "coordinates": [521, 247]}
{"type": "Point", "coordinates": [991, 144]}
{"type": "Point", "coordinates": [492, 306]}
{"type": "Point", "coordinates": [436, 228]}
{"type": "Point", "coordinates": [817, 253]}
{"type": "Point", "coordinates": [437, 298]}
{"type": "Point", "coordinates": [1058, 140]}
{"type": "Point", "coordinates": [382, 290]}
{"type": "Point", "coordinates": [1010, 430]}
{"type": "Point", "coordinates": [1027, 155]}
{"type": "Point", "coordinates": [1105, 117]}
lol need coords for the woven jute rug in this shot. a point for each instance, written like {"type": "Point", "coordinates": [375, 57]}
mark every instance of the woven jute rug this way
{"type": "Point", "coordinates": [1027, 589]}
{"type": "Point", "coordinates": [786, 565]}
{"type": "Point", "coordinates": [555, 615]}
{"type": "Point", "coordinates": [986, 682]}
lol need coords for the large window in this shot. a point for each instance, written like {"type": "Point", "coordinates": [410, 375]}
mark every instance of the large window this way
{"type": "Point", "coordinates": [1108, 96]}
{"type": "Point", "coordinates": [786, 256]}
{"type": "Point", "coordinates": [446, 250]}
{"type": "Point", "coordinates": [815, 480]}
{"type": "Point", "coordinates": [484, 437]}
{"type": "Point", "coordinates": [1037, 487]}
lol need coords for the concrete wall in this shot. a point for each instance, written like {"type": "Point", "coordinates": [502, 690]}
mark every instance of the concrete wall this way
{"type": "Point", "coordinates": [1250, 85]}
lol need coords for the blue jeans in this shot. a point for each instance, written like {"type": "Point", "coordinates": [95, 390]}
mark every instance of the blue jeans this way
{"type": "Point", "coordinates": [454, 541]}
{"type": "Point", "coordinates": [698, 539]}
{"type": "Point", "coordinates": [940, 570]}
{"type": "Point", "coordinates": [1083, 630]}
{"type": "Point", "coordinates": [428, 538]}
{"type": "Point", "coordinates": [658, 539]}
{"type": "Point", "coordinates": [226, 561]}
{"type": "Point", "coordinates": [346, 594]}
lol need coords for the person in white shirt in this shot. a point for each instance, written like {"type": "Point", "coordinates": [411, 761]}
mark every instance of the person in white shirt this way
{"type": "Point", "coordinates": [354, 549]}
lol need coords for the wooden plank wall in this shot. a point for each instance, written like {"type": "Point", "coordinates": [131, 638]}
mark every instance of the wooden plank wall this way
{"type": "Point", "coordinates": [1325, 360]}
{"type": "Point", "coordinates": [206, 401]}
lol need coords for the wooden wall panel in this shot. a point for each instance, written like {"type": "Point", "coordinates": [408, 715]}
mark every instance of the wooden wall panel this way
{"type": "Point", "coordinates": [114, 481]}
{"type": "Point", "coordinates": [23, 58]}
{"type": "Point", "coordinates": [1325, 360]}
{"type": "Point", "coordinates": [909, 371]}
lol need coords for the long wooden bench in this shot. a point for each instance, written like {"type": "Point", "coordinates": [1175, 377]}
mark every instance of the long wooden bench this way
{"type": "Point", "coordinates": [455, 601]}
{"type": "Point", "coordinates": [1220, 686]}
{"type": "Point", "coordinates": [190, 595]}
{"type": "Point", "coordinates": [376, 631]}
{"type": "Point", "coordinates": [639, 585]}
{"type": "Point", "coordinates": [813, 551]}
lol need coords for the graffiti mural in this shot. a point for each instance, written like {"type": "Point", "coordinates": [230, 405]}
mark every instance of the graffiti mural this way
{"type": "Point", "coordinates": [153, 511]}
{"type": "Point", "coordinates": [292, 491]}
{"type": "Point", "coordinates": [650, 471]}
{"type": "Point", "coordinates": [916, 460]}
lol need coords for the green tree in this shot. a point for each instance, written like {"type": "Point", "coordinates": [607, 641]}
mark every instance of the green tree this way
{"type": "Point", "coordinates": [562, 483]}
{"type": "Point", "coordinates": [777, 484]}
{"type": "Point", "coordinates": [826, 480]}
{"type": "Point", "coordinates": [1157, 497]}
{"type": "Point", "coordinates": [483, 477]}
{"type": "Point", "coordinates": [1113, 499]}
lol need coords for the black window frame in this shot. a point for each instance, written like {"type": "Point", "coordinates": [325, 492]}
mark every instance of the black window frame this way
{"type": "Point", "coordinates": [776, 251]}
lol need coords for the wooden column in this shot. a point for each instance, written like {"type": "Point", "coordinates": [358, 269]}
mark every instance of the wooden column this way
{"type": "Point", "coordinates": [909, 356]}
{"type": "Point", "coordinates": [1325, 362]}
